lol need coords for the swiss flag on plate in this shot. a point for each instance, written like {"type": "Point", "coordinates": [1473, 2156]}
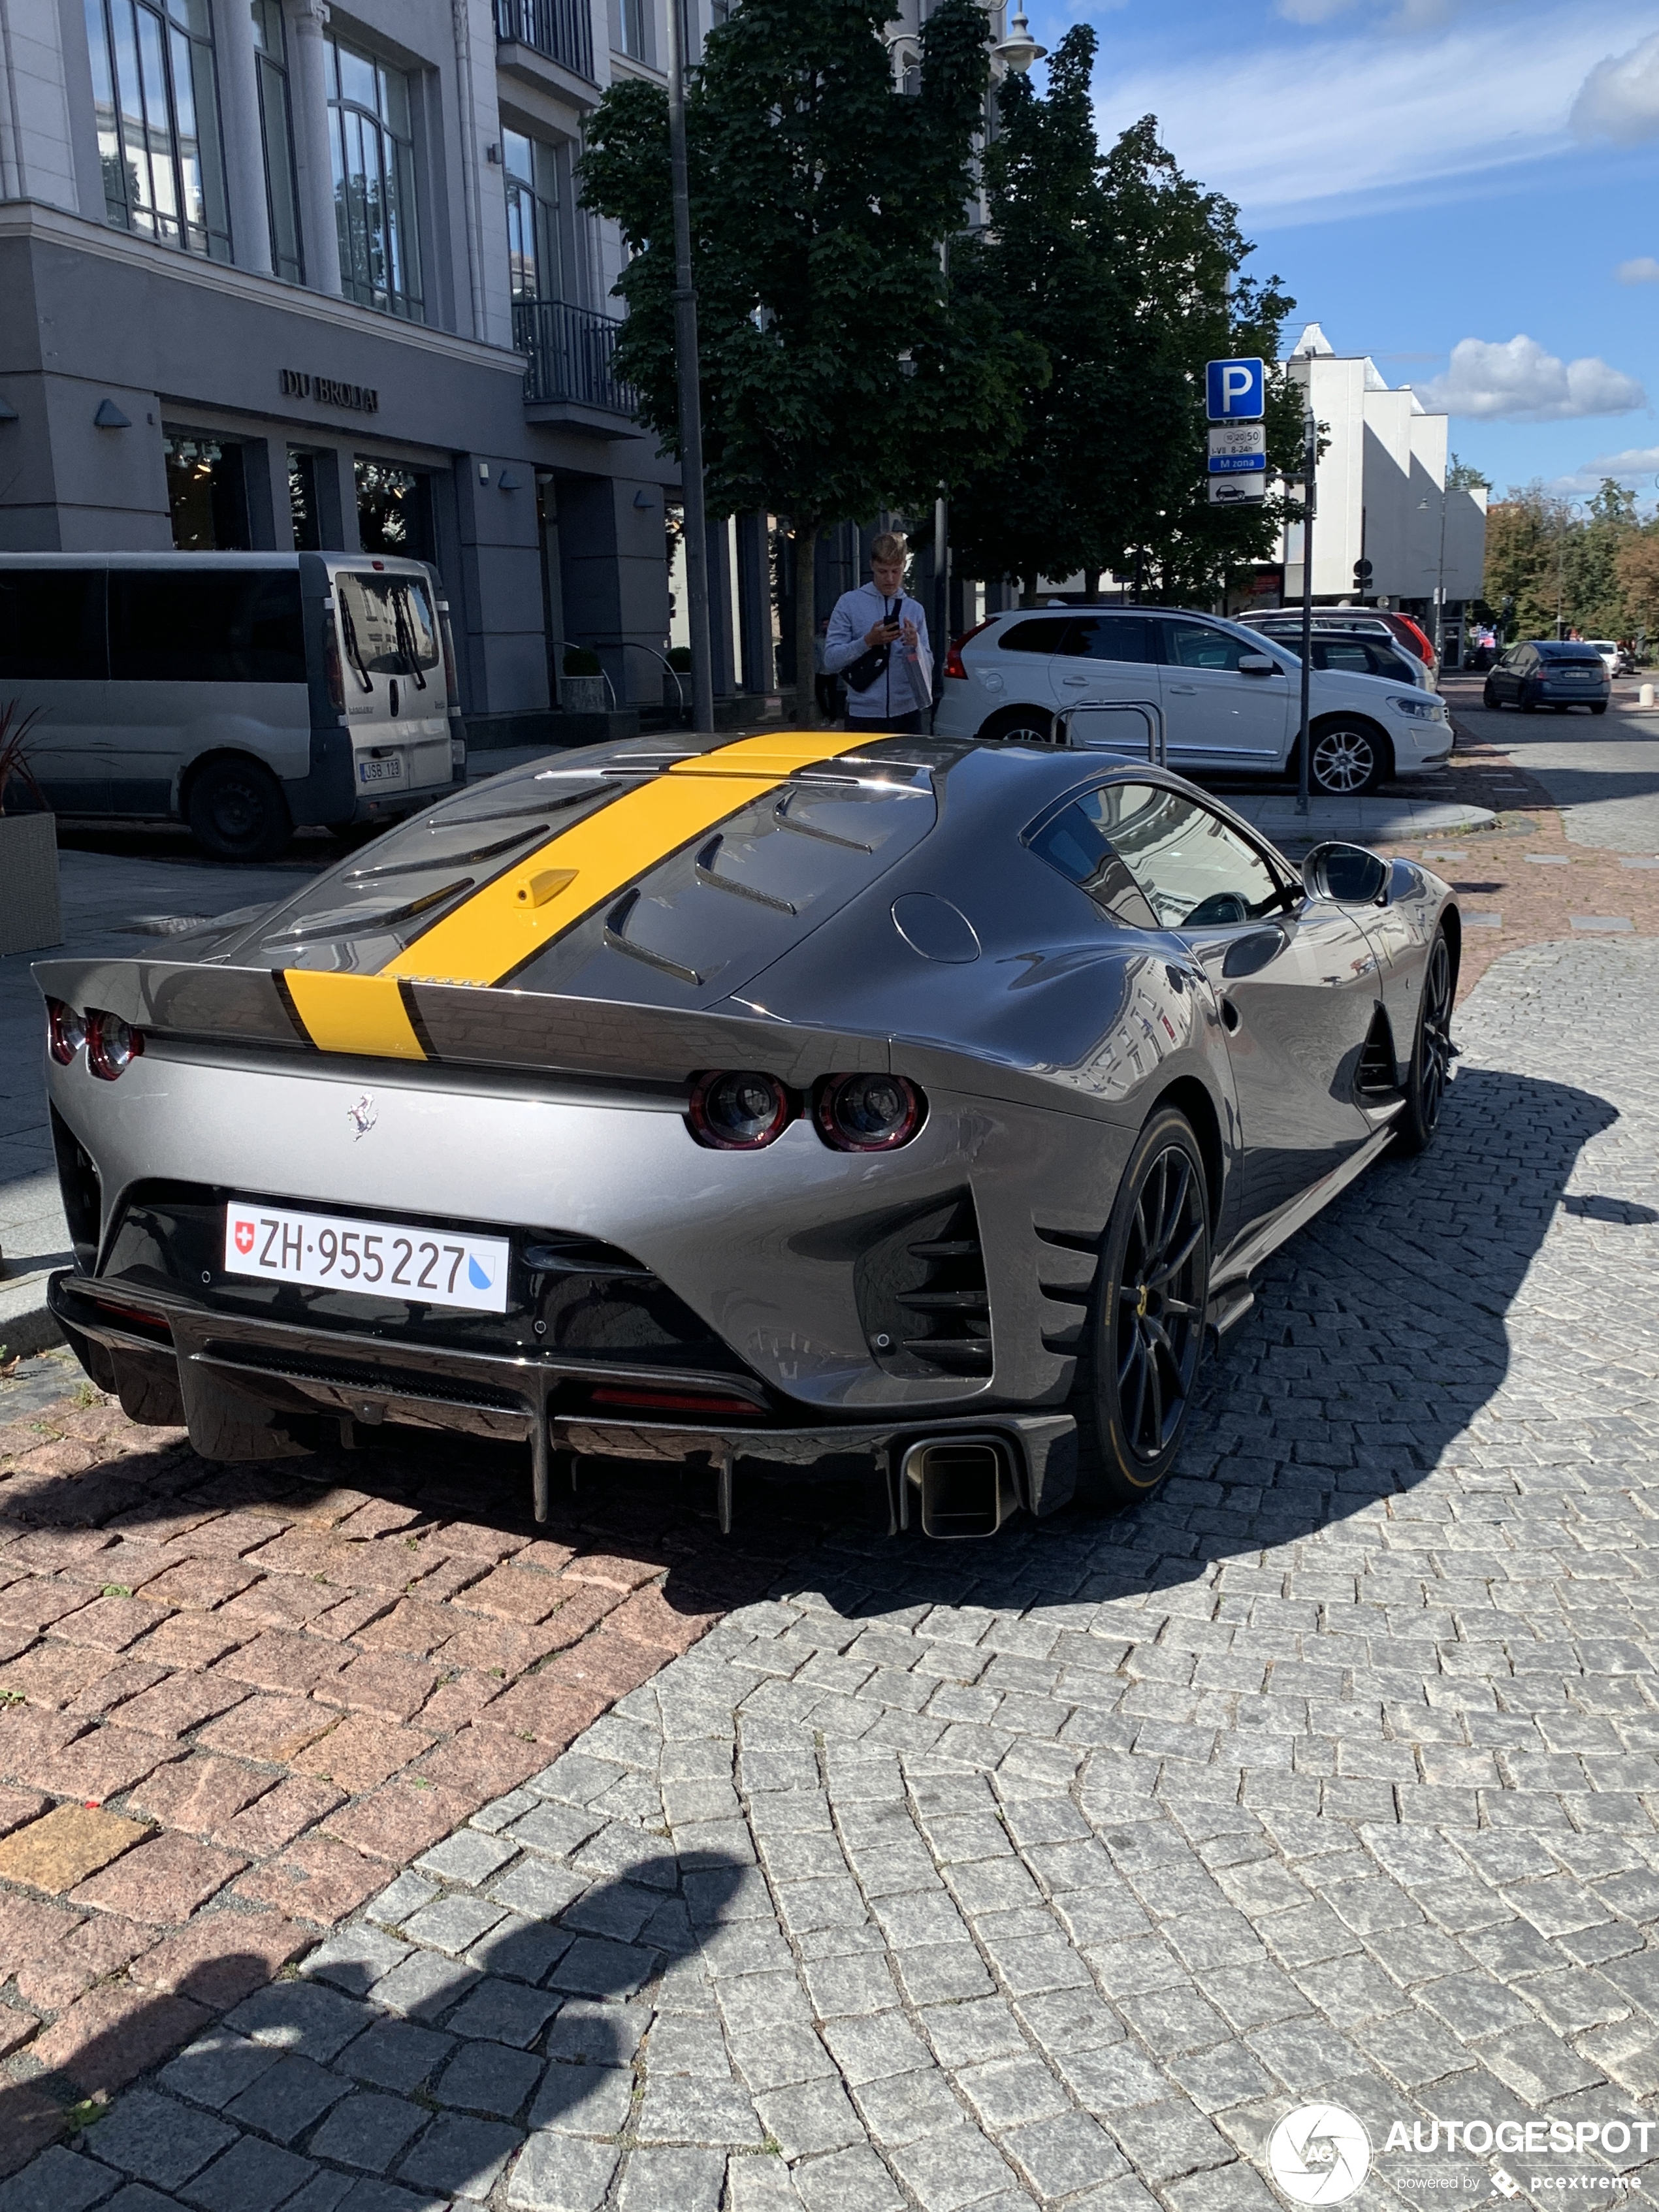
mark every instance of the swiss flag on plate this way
{"type": "Point", "coordinates": [245, 1237]}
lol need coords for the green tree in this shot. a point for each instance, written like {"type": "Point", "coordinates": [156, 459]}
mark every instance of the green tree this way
{"type": "Point", "coordinates": [839, 372]}
{"type": "Point", "coordinates": [1128, 272]}
{"type": "Point", "coordinates": [1463, 475]}
{"type": "Point", "coordinates": [1561, 568]}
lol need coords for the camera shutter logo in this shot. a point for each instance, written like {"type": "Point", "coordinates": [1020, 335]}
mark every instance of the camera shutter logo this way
{"type": "Point", "coordinates": [1319, 2154]}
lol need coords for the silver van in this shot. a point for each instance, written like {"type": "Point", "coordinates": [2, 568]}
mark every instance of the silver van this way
{"type": "Point", "coordinates": [242, 693]}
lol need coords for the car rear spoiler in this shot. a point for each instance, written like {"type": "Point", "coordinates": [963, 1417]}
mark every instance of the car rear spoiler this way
{"type": "Point", "coordinates": [385, 1017]}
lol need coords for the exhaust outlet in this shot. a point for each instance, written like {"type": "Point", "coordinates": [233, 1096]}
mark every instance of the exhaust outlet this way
{"type": "Point", "coordinates": [965, 1485]}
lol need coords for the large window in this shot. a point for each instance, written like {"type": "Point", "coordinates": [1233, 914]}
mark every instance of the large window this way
{"type": "Point", "coordinates": [158, 121]}
{"type": "Point", "coordinates": [205, 626]}
{"type": "Point", "coordinates": [277, 132]}
{"type": "Point", "coordinates": [534, 256]}
{"type": "Point", "coordinates": [636, 27]}
{"type": "Point", "coordinates": [372, 141]}
{"type": "Point", "coordinates": [207, 492]}
{"type": "Point", "coordinates": [394, 509]}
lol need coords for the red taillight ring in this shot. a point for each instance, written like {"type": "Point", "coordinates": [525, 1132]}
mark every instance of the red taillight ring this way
{"type": "Point", "coordinates": [837, 1124]}
{"type": "Point", "coordinates": [739, 1110]}
{"type": "Point", "coordinates": [65, 1031]}
{"type": "Point", "coordinates": [113, 1045]}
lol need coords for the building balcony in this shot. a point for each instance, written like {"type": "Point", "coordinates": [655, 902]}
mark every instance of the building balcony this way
{"type": "Point", "coordinates": [568, 375]}
{"type": "Point", "coordinates": [561, 31]}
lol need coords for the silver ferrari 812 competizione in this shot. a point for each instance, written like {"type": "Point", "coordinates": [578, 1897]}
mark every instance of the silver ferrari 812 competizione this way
{"type": "Point", "coordinates": [782, 1101]}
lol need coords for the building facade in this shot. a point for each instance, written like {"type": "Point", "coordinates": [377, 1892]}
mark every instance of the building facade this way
{"type": "Point", "coordinates": [1383, 496]}
{"type": "Point", "coordinates": [279, 273]}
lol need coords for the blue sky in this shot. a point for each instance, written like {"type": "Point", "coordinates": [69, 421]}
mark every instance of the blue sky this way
{"type": "Point", "coordinates": [1452, 189]}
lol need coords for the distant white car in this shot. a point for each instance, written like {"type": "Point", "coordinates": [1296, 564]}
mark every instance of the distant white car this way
{"type": "Point", "coordinates": [1230, 696]}
{"type": "Point", "coordinates": [1608, 649]}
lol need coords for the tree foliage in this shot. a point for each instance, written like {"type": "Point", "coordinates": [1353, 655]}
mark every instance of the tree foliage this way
{"type": "Point", "coordinates": [1597, 571]}
{"type": "Point", "coordinates": [1128, 274]}
{"type": "Point", "coordinates": [839, 373]}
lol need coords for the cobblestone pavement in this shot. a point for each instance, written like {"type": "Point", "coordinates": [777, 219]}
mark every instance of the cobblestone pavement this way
{"type": "Point", "coordinates": [1059, 1870]}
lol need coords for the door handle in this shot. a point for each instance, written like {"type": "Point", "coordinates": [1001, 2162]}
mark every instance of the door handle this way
{"type": "Point", "coordinates": [1075, 683]}
{"type": "Point", "coordinates": [1184, 688]}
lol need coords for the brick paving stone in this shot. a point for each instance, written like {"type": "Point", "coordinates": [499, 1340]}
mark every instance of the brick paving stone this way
{"type": "Point", "coordinates": [28, 1931]}
{"type": "Point", "coordinates": [367, 2130]}
{"type": "Point", "coordinates": [281, 1661]}
{"type": "Point", "coordinates": [162, 1880]}
{"type": "Point", "coordinates": [64, 1846]}
{"type": "Point", "coordinates": [60, 2181]}
{"type": "Point", "coordinates": [33, 2120]}
{"type": "Point", "coordinates": [489, 2078]}
{"type": "Point", "coordinates": [220, 1958]}
{"type": "Point", "coordinates": [52, 1674]}
{"type": "Point", "coordinates": [199, 1794]}
{"type": "Point", "coordinates": [554, 2174]}
{"type": "Point", "coordinates": [479, 1763]}
{"type": "Point", "coordinates": [181, 1704]}
{"type": "Point", "coordinates": [460, 2156]}
{"type": "Point", "coordinates": [114, 2034]}
{"type": "Point", "coordinates": [188, 1639]}
{"type": "Point", "coordinates": [268, 1728]}
{"type": "Point", "coordinates": [397, 1821]}
{"type": "Point", "coordinates": [317, 1879]}
{"type": "Point", "coordinates": [99, 1764]}
{"type": "Point", "coordinates": [385, 1684]}
{"type": "Point", "coordinates": [287, 2097]}
{"type": "Point", "coordinates": [198, 1585]}
{"type": "Point", "coordinates": [157, 2140]}
{"type": "Point", "coordinates": [18, 1807]}
{"type": "Point", "coordinates": [250, 2177]}
{"type": "Point", "coordinates": [99, 1947]}
{"type": "Point", "coordinates": [278, 1816]}
{"type": "Point", "coordinates": [110, 1623]}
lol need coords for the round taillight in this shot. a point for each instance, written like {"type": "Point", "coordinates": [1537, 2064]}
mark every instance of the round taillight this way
{"type": "Point", "coordinates": [738, 1112]}
{"type": "Point", "coordinates": [869, 1113]}
{"type": "Point", "coordinates": [65, 1031]}
{"type": "Point", "coordinates": [111, 1045]}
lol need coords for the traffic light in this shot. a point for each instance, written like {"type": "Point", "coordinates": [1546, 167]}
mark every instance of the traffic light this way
{"type": "Point", "coordinates": [1362, 573]}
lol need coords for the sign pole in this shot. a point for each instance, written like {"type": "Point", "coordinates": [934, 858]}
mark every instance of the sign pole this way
{"type": "Point", "coordinates": [690, 391]}
{"type": "Point", "coordinates": [1309, 462]}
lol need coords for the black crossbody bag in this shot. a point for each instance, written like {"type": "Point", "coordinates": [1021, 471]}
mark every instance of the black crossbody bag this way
{"type": "Point", "coordinates": [871, 666]}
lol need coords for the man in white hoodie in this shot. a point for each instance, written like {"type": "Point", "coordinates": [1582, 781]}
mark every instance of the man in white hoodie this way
{"type": "Point", "coordinates": [876, 619]}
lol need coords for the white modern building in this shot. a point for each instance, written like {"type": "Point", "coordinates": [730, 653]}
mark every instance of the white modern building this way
{"type": "Point", "coordinates": [1382, 494]}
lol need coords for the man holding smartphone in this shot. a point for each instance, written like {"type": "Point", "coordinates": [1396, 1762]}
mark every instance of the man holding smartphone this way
{"type": "Point", "coordinates": [877, 642]}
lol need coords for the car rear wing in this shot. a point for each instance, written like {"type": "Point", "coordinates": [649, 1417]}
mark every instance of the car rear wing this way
{"type": "Point", "coordinates": [323, 1015]}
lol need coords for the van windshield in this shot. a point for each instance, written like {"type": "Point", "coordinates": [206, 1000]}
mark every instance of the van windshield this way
{"type": "Point", "coordinates": [387, 626]}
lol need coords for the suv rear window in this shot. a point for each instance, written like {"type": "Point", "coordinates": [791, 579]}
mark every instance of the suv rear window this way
{"type": "Point", "coordinates": [386, 624]}
{"type": "Point", "coordinates": [205, 626]}
{"type": "Point", "coordinates": [1044, 634]}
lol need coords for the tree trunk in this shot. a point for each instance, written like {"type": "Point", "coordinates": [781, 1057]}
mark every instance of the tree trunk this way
{"type": "Point", "coordinates": [1028, 591]}
{"type": "Point", "coordinates": [805, 543]}
{"type": "Point", "coordinates": [1091, 584]}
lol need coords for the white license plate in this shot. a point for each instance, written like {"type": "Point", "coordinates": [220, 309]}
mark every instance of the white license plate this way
{"type": "Point", "coordinates": [390, 1258]}
{"type": "Point", "coordinates": [389, 770]}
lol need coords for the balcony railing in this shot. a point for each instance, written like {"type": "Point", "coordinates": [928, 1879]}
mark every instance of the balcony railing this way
{"type": "Point", "coordinates": [561, 30]}
{"type": "Point", "coordinates": [570, 350]}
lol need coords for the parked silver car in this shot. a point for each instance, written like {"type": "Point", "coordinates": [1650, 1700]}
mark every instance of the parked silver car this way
{"type": "Point", "coordinates": [1228, 697]}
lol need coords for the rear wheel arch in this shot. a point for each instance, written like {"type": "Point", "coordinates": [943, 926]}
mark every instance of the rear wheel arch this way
{"type": "Point", "coordinates": [1189, 1097]}
{"type": "Point", "coordinates": [264, 787]}
{"type": "Point", "coordinates": [1006, 725]}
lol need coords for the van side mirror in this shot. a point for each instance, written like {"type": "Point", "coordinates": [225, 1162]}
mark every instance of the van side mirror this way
{"type": "Point", "coordinates": [1258, 664]}
{"type": "Point", "coordinates": [1348, 874]}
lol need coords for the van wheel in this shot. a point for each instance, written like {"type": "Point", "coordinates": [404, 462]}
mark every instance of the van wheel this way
{"type": "Point", "coordinates": [238, 812]}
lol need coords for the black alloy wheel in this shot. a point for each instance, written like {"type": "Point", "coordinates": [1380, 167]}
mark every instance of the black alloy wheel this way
{"type": "Point", "coordinates": [1019, 725]}
{"type": "Point", "coordinates": [1347, 759]}
{"type": "Point", "coordinates": [1145, 1330]}
{"type": "Point", "coordinates": [1431, 1051]}
{"type": "Point", "coordinates": [1489, 698]}
{"type": "Point", "coordinates": [238, 812]}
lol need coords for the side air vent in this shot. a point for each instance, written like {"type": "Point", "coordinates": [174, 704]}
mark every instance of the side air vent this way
{"type": "Point", "coordinates": [1065, 1277]}
{"type": "Point", "coordinates": [1374, 1083]}
{"type": "Point", "coordinates": [77, 1181]}
{"type": "Point", "coordinates": [922, 1296]}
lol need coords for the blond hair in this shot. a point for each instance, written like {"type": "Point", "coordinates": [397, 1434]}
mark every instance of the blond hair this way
{"type": "Point", "coordinates": [890, 546]}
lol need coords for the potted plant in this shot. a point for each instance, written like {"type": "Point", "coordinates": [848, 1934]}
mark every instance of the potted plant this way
{"type": "Point", "coordinates": [31, 916]}
{"type": "Point", "coordinates": [582, 687]}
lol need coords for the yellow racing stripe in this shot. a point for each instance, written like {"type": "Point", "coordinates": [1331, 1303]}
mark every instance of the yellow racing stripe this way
{"type": "Point", "coordinates": [353, 1013]}
{"type": "Point", "coordinates": [510, 921]}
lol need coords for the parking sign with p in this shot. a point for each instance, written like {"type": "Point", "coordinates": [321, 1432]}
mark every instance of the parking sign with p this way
{"type": "Point", "coordinates": [1237, 390]}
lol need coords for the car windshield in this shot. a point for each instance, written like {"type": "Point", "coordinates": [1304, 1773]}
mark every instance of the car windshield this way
{"type": "Point", "coordinates": [1571, 656]}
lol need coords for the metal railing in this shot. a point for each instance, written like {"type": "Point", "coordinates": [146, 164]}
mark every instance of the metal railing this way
{"type": "Point", "coordinates": [561, 30]}
{"type": "Point", "coordinates": [570, 350]}
{"type": "Point", "coordinates": [1095, 740]}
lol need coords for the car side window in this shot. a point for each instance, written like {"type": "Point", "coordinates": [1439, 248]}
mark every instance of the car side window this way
{"type": "Point", "coordinates": [1044, 633]}
{"type": "Point", "coordinates": [1196, 645]}
{"type": "Point", "coordinates": [1196, 872]}
{"type": "Point", "coordinates": [1075, 841]}
{"type": "Point", "coordinates": [1112, 637]}
{"type": "Point", "coordinates": [1344, 652]}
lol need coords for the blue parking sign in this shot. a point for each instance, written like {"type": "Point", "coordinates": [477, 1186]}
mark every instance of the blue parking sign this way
{"type": "Point", "coordinates": [1237, 390]}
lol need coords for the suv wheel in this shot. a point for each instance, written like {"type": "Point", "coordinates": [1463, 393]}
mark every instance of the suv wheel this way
{"type": "Point", "coordinates": [1348, 758]}
{"type": "Point", "coordinates": [1019, 725]}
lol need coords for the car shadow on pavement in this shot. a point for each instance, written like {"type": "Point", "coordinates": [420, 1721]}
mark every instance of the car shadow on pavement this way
{"type": "Point", "coordinates": [428, 2043]}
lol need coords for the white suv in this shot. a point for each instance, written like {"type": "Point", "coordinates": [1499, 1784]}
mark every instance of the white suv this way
{"type": "Point", "coordinates": [1230, 697]}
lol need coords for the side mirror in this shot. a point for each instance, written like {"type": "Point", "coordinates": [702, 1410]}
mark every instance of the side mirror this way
{"type": "Point", "coordinates": [1258, 664]}
{"type": "Point", "coordinates": [1348, 874]}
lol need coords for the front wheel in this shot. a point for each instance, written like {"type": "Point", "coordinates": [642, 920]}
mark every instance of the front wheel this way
{"type": "Point", "coordinates": [1348, 759]}
{"type": "Point", "coordinates": [1145, 1334]}
{"type": "Point", "coordinates": [238, 812]}
{"type": "Point", "coordinates": [1426, 1080]}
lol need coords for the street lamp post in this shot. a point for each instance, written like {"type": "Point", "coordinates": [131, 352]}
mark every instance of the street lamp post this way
{"type": "Point", "coordinates": [1309, 467]}
{"type": "Point", "coordinates": [1440, 573]}
{"type": "Point", "coordinates": [690, 396]}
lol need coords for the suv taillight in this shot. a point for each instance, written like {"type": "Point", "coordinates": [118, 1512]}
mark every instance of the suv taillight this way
{"type": "Point", "coordinates": [1419, 640]}
{"type": "Point", "coordinates": [953, 656]}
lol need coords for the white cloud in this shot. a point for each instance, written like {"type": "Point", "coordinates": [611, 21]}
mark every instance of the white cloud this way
{"type": "Point", "coordinates": [1619, 98]}
{"type": "Point", "coordinates": [1644, 269]}
{"type": "Point", "coordinates": [1365, 119]}
{"type": "Point", "coordinates": [1637, 466]}
{"type": "Point", "coordinates": [1519, 382]}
